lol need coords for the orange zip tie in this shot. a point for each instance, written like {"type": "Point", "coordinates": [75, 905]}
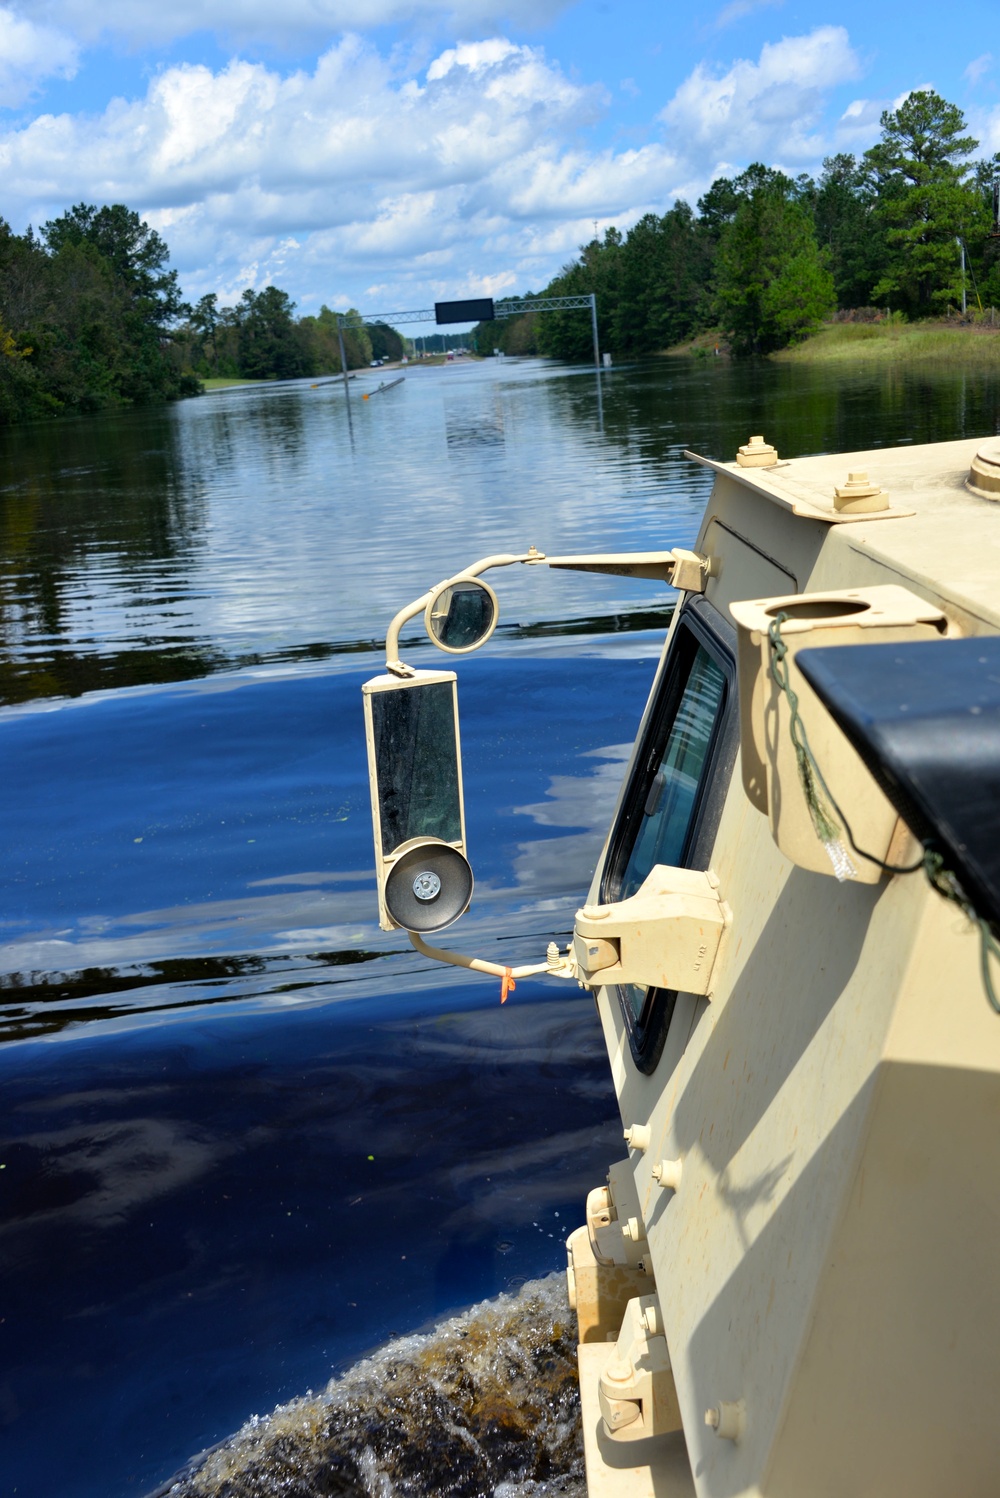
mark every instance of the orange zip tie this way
{"type": "Point", "coordinates": [507, 984]}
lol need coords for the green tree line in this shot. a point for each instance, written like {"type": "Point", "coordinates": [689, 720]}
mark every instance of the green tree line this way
{"type": "Point", "coordinates": [767, 258]}
{"type": "Point", "coordinates": [260, 338]}
{"type": "Point", "coordinates": [91, 318]}
{"type": "Point", "coordinates": [85, 312]}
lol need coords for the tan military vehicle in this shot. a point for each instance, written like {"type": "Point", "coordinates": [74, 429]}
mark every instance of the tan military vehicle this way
{"type": "Point", "coordinates": [790, 1283]}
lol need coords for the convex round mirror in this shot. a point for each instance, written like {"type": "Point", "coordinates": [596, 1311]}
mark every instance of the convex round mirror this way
{"type": "Point", "coordinates": [429, 886]}
{"type": "Point", "coordinates": [461, 615]}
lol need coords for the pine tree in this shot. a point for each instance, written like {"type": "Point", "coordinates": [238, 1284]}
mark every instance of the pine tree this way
{"type": "Point", "coordinates": [772, 283]}
{"type": "Point", "coordinates": [921, 172]}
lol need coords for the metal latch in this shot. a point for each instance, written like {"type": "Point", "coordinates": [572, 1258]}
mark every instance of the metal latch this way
{"type": "Point", "coordinates": [637, 1394]}
{"type": "Point", "coordinates": [667, 935]}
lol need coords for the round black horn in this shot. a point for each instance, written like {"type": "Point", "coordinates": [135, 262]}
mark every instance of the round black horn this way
{"type": "Point", "coordinates": [428, 887]}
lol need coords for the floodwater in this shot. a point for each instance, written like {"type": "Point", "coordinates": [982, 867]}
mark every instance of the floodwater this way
{"type": "Point", "coordinates": [249, 1139]}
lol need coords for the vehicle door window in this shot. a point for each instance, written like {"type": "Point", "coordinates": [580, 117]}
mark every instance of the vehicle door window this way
{"type": "Point", "coordinates": [674, 796]}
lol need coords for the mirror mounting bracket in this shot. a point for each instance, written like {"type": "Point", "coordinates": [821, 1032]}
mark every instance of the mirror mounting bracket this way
{"type": "Point", "coordinates": [685, 570]}
{"type": "Point", "coordinates": [688, 571]}
{"type": "Point", "coordinates": [556, 964]}
{"type": "Point", "coordinates": [393, 664]}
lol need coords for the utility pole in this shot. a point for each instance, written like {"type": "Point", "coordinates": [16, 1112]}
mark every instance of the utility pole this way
{"type": "Point", "coordinates": [961, 246]}
{"type": "Point", "coordinates": [593, 325]}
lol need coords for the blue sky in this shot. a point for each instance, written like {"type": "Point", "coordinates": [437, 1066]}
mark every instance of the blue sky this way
{"type": "Point", "coordinates": [389, 153]}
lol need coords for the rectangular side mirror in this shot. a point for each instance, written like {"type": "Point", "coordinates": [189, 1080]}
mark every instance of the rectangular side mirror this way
{"type": "Point", "coordinates": [415, 774]}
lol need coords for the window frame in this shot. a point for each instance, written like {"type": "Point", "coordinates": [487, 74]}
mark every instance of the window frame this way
{"type": "Point", "coordinates": [647, 1033]}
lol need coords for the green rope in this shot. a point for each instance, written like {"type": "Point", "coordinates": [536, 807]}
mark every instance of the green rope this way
{"type": "Point", "coordinates": [824, 814]}
{"type": "Point", "coordinates": [947, 885]}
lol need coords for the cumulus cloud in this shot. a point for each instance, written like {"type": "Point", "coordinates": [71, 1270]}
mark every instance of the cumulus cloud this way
{"type": "Point", "coordinates": [470, 176]}
{"type": "Point", "coordinates": [859, 125]}
{"type": "Point", "coordinates": [29, 54]}
{"type": "Point", "coordinates": [346, 166]}
{"type": "Point", "coordinates": [304, 150]}
{"type": "Point", "coordinates": [293, 21]}
{"type": "Point", "coordinates": [767, 110]}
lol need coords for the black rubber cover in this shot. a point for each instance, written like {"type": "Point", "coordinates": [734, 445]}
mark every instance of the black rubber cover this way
{"type": "Point", "coordinates": [925, 718]}
{"type": "Point", "coordinates": [452, 900]}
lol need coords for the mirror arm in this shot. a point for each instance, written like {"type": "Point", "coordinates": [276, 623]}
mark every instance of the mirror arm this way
{"type": "Point", "coordinates": [555, 965]}
{"type": "Point", "coordinates": [393, 664]}
{"type": "Point", "coordinates": [688, 571]}
{"type": "Point", "coordinates": [502, 559]}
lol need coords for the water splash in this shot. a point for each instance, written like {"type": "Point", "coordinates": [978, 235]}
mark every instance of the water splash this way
{"type": "Point", "coordinates": [485, 1406]}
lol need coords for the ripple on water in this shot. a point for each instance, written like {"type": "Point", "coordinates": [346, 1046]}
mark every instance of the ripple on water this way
{"type": "Point", "coordinates": [484, 1406]}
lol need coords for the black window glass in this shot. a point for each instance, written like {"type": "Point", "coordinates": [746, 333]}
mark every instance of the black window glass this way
{"type": "Point", "coordinates": [417, 759]}
{"type": "Point", "coordinates": [661, 811]}
{"type": "Point", "coordinates": [672, 797]}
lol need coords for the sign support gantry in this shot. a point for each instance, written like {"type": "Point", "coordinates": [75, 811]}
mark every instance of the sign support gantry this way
{"type": "Point", "coordinates": [478, 309]}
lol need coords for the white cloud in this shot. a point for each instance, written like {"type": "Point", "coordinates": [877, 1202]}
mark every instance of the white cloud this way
{"type": "Point", "coordinates": [473, 175]}
{"type": "Point", "coordinates": [306, 150]}
{"type": "Point", "coordinates": [28, 54]}
{"type": "Point", "coordinates": [328, 175]}
{"type": "Point", "coordinates": [547, 184]}
{"type": "Point", "coordinates": [986, 128]}
{"type": "Point", "coordinates": [859, 125]}
{"type": "Point", "coordinates": [978, 68]}
{"type": "Point", "coordinates": [919, 88]}
{"type": "Point", "coordinates": [768, 110]}
{"type": "Point", "coordinates": [142, 23]}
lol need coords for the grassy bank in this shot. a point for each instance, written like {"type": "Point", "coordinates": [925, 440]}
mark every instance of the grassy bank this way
{"type": "Point", "coordinates": [972, 345]}
{"type": "Point", "coordinates": [701, 346]}
{"type": "Point", "coordinates": [890, 343]}
{"type": "Point", "coordinates": [223, 382]}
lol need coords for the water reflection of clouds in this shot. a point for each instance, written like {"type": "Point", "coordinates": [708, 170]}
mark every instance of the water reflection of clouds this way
{"type": "Point", "coordinates": [547, 865]}
{"type": "Point", "coordinates": [583, 800]}
{"type": "Point", "coordinates": [222, 785]}
{"type": "Point", "coordinates": [110, 1169]}
{"type": "Point", "coordinates": [313, 911]}
{"type": "Point", "coordinates": [265, 923]}
{"type": "Point", "coordinates": [528, 1035]}
{"type": "Point", "coordinates": [159, 543]}
{"type": "Point", "coordinates": [514, 1190]}
{"type": "Point", "coordinates": [273, 478]}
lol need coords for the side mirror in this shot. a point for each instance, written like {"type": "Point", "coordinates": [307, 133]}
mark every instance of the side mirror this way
{"type": "Point", "coordinates": [461, 614]}
{"type": "Point", "coordinates": [415, 772]}
{"type": "Point", "coordinates": [414, 761]}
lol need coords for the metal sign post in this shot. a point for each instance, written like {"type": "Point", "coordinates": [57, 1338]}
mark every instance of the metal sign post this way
{"type": "Point", "coordinates": [476, 309]}
{"type": "Point", "coordinates": [515, 308]}
{"type": "Point", "coordinates": [343, 355]}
